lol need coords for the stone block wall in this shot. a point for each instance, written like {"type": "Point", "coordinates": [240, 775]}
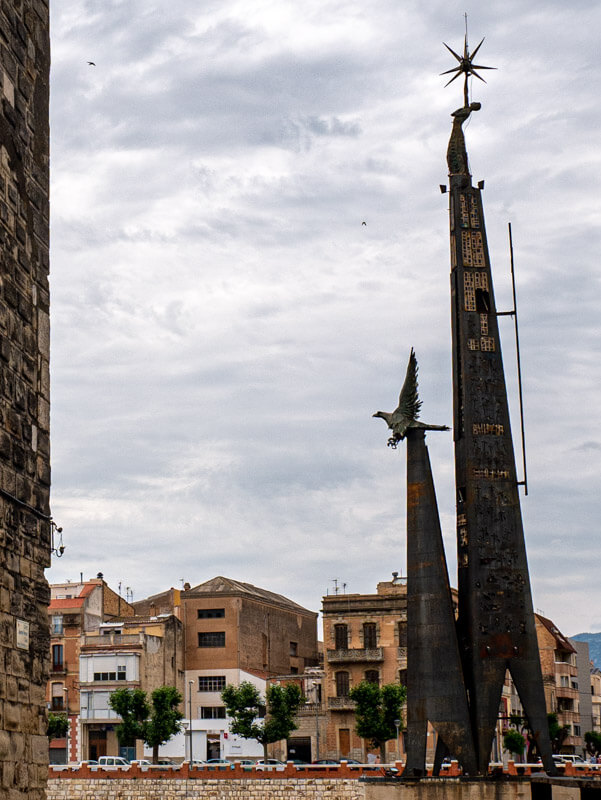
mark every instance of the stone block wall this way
{"type": "Point", "coordinates": [24, 396]}
{"type": "Point", "coordinates": [174, 789]}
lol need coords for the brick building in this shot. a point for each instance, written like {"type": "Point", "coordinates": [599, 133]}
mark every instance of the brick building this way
{"type": "Point", "coordinates": [365, 638]}
{"type": "Point", "coordinates": [561, 680]}
{"type": "Point", "coordinates": [75, 609]}
{"type": "Point", "coordinates": [233, 632]}
{"type": "Point", "coordinates": [25, 527]}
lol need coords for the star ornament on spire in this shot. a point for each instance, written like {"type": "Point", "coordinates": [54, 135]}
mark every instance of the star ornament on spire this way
{"type": "Point", "coordinates": [465, 66]}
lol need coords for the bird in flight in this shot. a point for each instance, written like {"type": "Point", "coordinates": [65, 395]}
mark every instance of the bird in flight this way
{"type": "Point", "coordinates": [405, 416]}
{"type": "Point", "coordinates": [91, 64]}
{"type": "Point", "coordinates": [364, 223]}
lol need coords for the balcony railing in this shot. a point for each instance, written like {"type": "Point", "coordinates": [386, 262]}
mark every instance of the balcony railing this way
{"type": "Point", "coordinates": [356, 655]}
{"type": "Point", "coordinates": [340, 704]}
{"type": "Point", "coordinates": [111, 639]}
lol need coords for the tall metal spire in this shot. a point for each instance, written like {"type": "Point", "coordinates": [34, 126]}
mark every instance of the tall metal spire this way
{"type": "Point", "coordinates": [496, 620]}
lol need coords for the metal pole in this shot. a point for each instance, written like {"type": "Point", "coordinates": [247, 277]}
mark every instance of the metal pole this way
{"type": "Point", "coordinates": [316, 699]}
{"type": "Point", "coordinates": [397, 725]}
{"type": "Point", "coordinates": [517, 339]}
{"type": "Point", "coordinates": [190, 683]}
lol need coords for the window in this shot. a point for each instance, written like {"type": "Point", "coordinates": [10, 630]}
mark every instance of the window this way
{"type": "Point", "coordinates": [211, 639]}
{"type": "Point", "coordinates": [212, 712]}
{"type": "Point", "coordinates": [57, 623]}
{"type": "Point", "coordinates": [57, 657]}
{"type": "Point", "coordinates": [294, 649]}
{"type": "Point", "coordinates": [372, 676]}
{"type": "Point", "coordinates": [210, 613]}
{"type": "Point", "coordinates": [577, 730]}
{"type": "Point", "coordinates": [341, 637]}
{"type": "Point", "coordinates": [211, 683]}
{"type": "Point", "coordinates": [106, 676]}
{"type": "Point", "coordinates": [564, 680]}
{"type": "Point", "coordinates": [294, 670]}
{"type": "Point", "coordinates": [370, 636]}
{"type": "Point", "coordinates": [342, 684]}
{"type": "Point", "coordinates": [121, 674]}
{"type": "Point", "coordinates": [402, 630]}
{"type": "Point", "coordinates": [58, 704]}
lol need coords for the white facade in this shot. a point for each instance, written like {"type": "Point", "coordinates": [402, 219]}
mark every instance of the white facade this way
{"type": "Point", "coordinates": [207, 707]}
{"type": "Point", "coordinates": [109, 667]}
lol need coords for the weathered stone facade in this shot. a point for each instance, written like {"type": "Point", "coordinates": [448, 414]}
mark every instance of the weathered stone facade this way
{"type": "Point", "coordinates": [25, 529]}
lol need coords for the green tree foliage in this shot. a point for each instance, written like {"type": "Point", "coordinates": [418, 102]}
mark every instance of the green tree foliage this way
{"type": "Point", "coordinates": [514, 742]}
{"type": "Point", "coordinates": [557, 733]}
{"type": "Point", "coordinates": [593, 742]}
{"type": "Point", "coordinates": [155, 722]}
{"type": "Point", "coordinates": [376, 710]}
{"type": "Point", "coordinates": [58, 725]}
{"type": "Point", "coordinates": [246, 708]}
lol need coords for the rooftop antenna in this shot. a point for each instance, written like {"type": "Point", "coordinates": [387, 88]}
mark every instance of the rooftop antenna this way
{"type": "Point", "coordinates": [336, 589]}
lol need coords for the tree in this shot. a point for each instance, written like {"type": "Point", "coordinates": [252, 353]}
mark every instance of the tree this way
{"type": "Point", "coordinates": [164, 719]}
{"type": "Point", "coordinates": [557, 733]}
{"type": "Point", "coordinates": [514, 742]}
{"type": "Point", "coordinates": [246, 708]}
{"type": "Point", "coordinates": [376, 710]}
{"type": "Point", "coordinates": [155, 722]}
{"type": "Point", "coordinates": [58, 725]}
{"type": "Point", "coordinates": [593, 743]}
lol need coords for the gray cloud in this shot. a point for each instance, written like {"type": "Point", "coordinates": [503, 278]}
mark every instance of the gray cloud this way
{"type": "Point", "coordinates": [224, 326]}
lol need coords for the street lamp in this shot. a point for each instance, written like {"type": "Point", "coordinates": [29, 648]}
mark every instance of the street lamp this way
{"type": "Point", "coordinates": [66, 691]}
{"type": "Point", "coordinates": [190, 684]}
{"type": "Point", "coordinates": [397, 725]}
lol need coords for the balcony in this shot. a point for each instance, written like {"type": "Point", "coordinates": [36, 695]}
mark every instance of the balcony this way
{"type": "Point", "coordinates": [355, 656]}
{"type": "Point", "coordinates": [340, 704]}
{"type": "Point", "coordinates": [566, 692]}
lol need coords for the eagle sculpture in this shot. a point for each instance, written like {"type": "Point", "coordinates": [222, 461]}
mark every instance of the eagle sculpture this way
{"type": "Point", "coordinates": [405, 416]}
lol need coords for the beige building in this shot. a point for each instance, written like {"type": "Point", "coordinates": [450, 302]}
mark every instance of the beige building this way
{"type": "Point", "coordinates": [561, 680]}
{"type": "Point", "coordinates": [133, 653]}
{"type": "Point", "coordinates": [309, 741]}
{"type": "Point", "coordinates": [365, 638]}
{"type": "Point", "coordinates": [596, 698]}
{"type": "Point", "coordinates": [75, 608]}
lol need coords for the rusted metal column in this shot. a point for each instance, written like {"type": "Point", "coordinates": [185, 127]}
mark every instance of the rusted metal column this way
{"type": "Point", "coordinates": [435, 685]}
{"type": "Point", "coordinates": [496, 620]}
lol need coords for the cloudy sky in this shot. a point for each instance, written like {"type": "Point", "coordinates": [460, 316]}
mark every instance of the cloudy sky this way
{"type": "Point", "coordinates": [224, 325]}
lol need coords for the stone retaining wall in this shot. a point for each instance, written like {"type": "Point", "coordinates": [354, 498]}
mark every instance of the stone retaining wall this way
{"type": "Point", "coordinates": [216, 789]}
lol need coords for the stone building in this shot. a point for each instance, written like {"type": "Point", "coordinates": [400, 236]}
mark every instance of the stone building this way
{"type": "Point", "coordinates": [75, 609]}
{"type": "Point", "coordinates": [25, 524]}
{"type": "Point", "coordinates": [234, 632]}
{"type": "Point", "coordinates": [365, 638]}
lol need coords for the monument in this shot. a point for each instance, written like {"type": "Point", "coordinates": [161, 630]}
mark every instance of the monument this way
{"type": "Point", "coordinates": [495, 628]}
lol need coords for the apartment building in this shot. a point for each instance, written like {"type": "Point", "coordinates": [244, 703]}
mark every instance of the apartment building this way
{"type": "Point", "coordinates": [134, 653]}
{"type": "Point", "coordinates": [596, 699]}
{"type": "Point", "coordinates": [558, 658]}
{"type": "Point", "coordinates": [365, 638]}
{"type": "Point", "coordinates": [75, 608]}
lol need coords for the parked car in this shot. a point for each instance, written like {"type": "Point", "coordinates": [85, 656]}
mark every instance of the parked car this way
{"type": "Point", "coordinates": [573, 758]}
{"type": "Point", "coordinates": [112, 761]}
{"type": "Point", "coordinates": [224, 762]}
{"type": "Point", "coordinates": [330, 761]}
{"type": "Point", "coordinates": [271, 764]}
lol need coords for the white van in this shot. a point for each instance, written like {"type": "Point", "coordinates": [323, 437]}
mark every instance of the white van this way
{"type": "Point", "coordinates": [112, 761]}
